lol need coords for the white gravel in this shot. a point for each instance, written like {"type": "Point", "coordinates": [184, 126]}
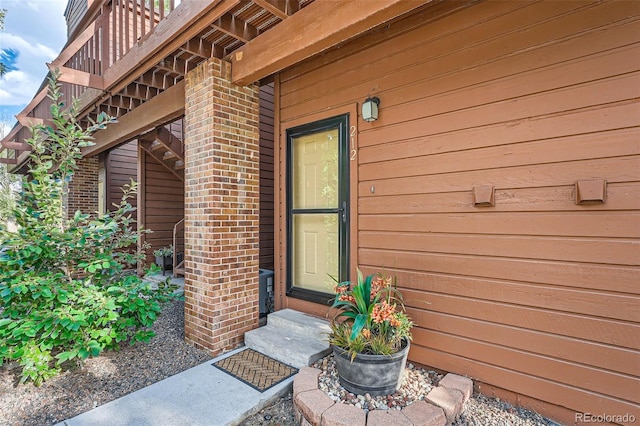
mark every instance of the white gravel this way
{"type": "Point", "coordinates": [416, 384]}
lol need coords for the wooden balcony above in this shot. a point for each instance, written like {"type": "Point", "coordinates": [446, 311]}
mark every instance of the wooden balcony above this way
{"type": "Point", "coordinates": [124, 53]}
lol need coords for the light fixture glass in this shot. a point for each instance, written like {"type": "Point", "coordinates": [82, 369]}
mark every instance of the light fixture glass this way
{"type": "Point", "coordinates": [370, 109]}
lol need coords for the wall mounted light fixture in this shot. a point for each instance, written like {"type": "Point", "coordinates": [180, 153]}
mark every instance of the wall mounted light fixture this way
{"type": "Point", "coordinates": [370, 109]}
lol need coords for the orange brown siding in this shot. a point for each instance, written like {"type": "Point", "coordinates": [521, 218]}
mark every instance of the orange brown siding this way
{"type": "Point", "coordinates": [536, 295]}
{"type": "Point", "coordinates": [163, 203]}
{"type": "Point", "coordinates": [121, 165]}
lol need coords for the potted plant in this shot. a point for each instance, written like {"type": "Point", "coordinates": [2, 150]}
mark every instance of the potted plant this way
{"type": "Point", "coordinates": [370, 335]}
{"type": "Point", "coordinates": [164, 257]}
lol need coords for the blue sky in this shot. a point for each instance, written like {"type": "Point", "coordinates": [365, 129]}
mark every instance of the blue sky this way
{"type": "Point", "coordinates": [34, 33]}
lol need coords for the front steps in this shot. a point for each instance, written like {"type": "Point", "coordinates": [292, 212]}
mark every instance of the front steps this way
{"type": "Point", "coordinates": [291, 337]}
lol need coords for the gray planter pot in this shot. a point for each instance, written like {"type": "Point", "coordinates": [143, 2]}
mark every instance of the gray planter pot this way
{"type": "Point", "coordinates": [372, 374]}
{"type": "Point", "coordinates": [164, 262]}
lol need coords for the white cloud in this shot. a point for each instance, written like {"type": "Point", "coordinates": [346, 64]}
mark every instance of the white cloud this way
{"type": "Point", "coordinates": [38, 50]}
{"type": "Point", "coordinates": [37, 30]}
{"type": "Point", "coordinates": [18, 88]}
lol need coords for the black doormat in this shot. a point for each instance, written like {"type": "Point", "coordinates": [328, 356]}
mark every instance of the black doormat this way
{"type": "Point", "coordinates": [255, 369]}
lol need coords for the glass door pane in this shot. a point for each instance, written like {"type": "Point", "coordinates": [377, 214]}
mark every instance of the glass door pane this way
{"type": "Point", "coordinates": [315, 254]}
{"type": "Point", "coordinates": [315, 170]}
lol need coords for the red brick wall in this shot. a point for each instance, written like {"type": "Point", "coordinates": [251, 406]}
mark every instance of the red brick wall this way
{"type": "Point", "coordinates": [221, 208]}
{"type": "Point", "coordinates": [83, 187]}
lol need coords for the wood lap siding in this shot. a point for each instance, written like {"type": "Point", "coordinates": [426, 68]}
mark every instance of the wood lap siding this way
{"type": "Point", "coordinates": [121, 166]}
{"type": "Point", "coordinates": [536, 295]}
{"type": "Point", "coordinates": [163, 204]}
{"type": "Point", "coordinates": [266, 177]}
{"type": "Point", "coordinates": [74, 13]}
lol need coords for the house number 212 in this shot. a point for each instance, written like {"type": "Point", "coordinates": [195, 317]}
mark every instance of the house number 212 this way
{"type": "Point", "coordinates": [352, 136]}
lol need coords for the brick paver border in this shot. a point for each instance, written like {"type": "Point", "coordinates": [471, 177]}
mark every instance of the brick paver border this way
{"type": "Point", "coordinates": [442, 405]}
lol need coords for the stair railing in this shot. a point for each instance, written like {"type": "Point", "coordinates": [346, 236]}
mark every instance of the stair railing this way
{"type": "Point", "coordinates": [176, 246]}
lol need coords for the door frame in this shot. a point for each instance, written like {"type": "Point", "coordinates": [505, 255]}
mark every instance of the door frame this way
{"type": "Point", "coordinates": [341, 122]}
{"type": "Point", "coordinates": [282, 300]}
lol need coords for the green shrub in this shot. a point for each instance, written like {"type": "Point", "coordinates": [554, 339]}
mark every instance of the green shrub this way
{"type": "Point", "coordinates": [68, 287]}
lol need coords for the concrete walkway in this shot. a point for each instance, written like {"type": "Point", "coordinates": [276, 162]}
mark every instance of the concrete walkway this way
{"type": "Point", "coordinates": [201, 396]}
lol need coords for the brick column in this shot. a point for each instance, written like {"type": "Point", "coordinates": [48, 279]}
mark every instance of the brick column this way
{"type": "Point", "coordinates": [221, 208]}
{"type": "Point", "coordinates": [83, 187]}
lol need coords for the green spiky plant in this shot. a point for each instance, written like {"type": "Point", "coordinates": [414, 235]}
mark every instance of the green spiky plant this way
{"type": "Point", "coordinates": [370, 316]}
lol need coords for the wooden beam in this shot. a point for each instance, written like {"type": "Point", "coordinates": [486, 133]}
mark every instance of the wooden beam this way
{"type": "Point", "coordinates": [236, 27]}
{"type": "Point", "coordinates": [152, 79]}
{"type": "Point", "coordinates": [280, 8]}
{"type": "Point", "coordinates": [141, 200]}
{"type": "Point", "coordinates": [26, 121]}
{"type": "Point", "coordinates": [14, 131]}
{"type": "Point", "coordinates": [125, 102]}
{"type": "Point", "coordinates": [202, 48]}
{"type": "Point", "coordinates": [81, 78]}
{"type": "Point", "coordinates": [20, 146]}
{"type": "Point", "coordinates": [165, 107]}
{"type": "Point", "coordinates": [8, 161]}
{"type": "Point", "coordinates": [319, 26]}
{"type": "Point", "coordinates": [133, 91]}
{"type": "Point", "coordinates": [175, 65]}
{"type": "Point", "coordinates": [107, 109]}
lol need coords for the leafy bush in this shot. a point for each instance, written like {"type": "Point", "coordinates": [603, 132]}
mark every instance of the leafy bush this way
{"type": "Point", "coordinates": [67, 291]}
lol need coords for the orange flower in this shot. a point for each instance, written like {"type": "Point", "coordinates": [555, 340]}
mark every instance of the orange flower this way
{"type": "Point", "coordinates": [382, 312]}
{"type": "Point", "coordinates": [341, 288]}
{"type": "Point", "coordinates": [366, 333]}
{"type": "Point", "coordinates": [394, 321]}
{"type": "Point", "coordinates": [346, 298]}
{"type": "Point", "coordinates": [378, 283]}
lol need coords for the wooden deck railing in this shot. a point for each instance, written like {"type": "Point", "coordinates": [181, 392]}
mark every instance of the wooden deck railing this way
{"type": "Point", "coordinates": [119, 25]}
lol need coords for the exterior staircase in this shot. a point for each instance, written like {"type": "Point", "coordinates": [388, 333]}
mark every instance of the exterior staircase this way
{"type": "Point", "coordinates": [291, 337]}
{"type": "Point", "coordinates": [166, 148]}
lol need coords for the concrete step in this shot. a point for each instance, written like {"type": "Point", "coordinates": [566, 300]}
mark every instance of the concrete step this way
{"type": "Point", "coordinates": [293, 349]}
{"type": "Point", "coordinates": [295, 322]}
{"type": "Point", "coordinates": [291, 337]}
